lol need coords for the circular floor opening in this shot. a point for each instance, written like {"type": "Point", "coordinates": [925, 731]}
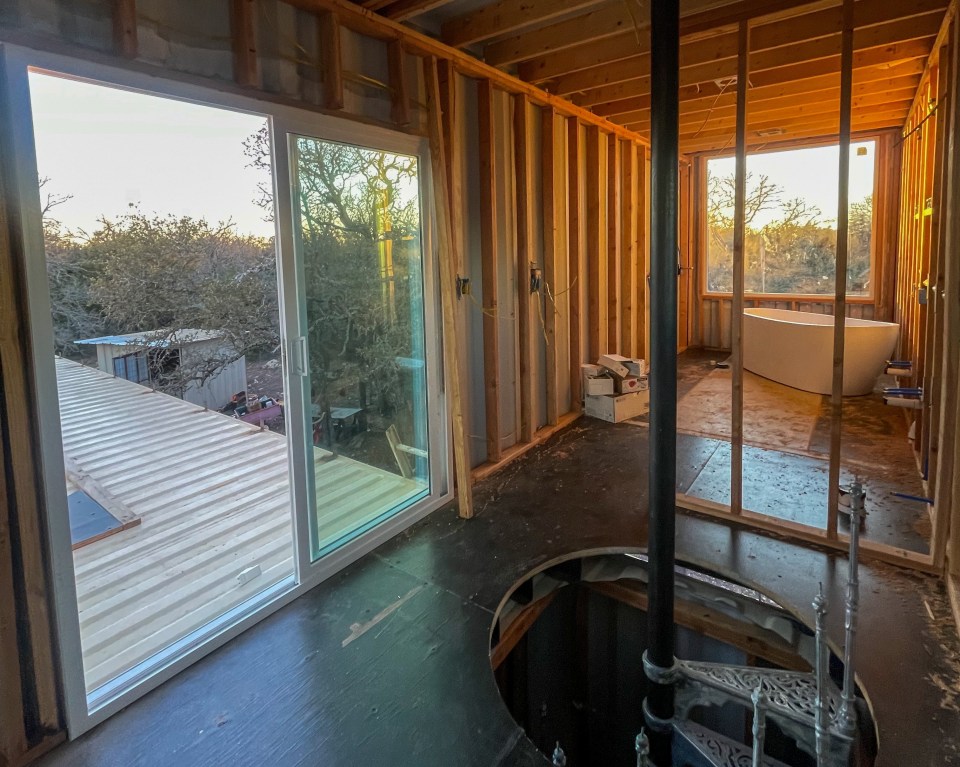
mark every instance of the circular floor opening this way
{"type": "Point", "coordinates": [567, 653]}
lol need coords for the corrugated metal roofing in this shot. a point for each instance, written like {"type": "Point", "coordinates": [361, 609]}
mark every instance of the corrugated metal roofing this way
{"type": "Point", "coordinates": [213, 496]}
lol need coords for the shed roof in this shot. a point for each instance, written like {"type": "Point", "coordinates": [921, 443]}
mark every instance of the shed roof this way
{"type": "Point", "coordinates": [161, 339]}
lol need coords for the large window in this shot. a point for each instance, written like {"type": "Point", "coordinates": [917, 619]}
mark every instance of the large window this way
{"type": "Point", "coordinates": [791, 226]}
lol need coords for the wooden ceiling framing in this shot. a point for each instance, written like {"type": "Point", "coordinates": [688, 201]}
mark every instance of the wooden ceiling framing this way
{"type": "Point", "coordinates": [596, 54]}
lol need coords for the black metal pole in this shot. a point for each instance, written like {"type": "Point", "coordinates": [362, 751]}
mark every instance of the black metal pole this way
{"type": "Point", "coordinates": [664, 198]}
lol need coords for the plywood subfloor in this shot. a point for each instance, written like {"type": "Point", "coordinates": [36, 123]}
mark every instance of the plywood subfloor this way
{"type": "Point", "coordinates": [213, 496]}
{"type": "Point", "coordinates": [773, 415]}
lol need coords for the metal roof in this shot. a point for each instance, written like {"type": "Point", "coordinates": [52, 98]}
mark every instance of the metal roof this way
{"type": "Point", "coordinates": [155, 338]}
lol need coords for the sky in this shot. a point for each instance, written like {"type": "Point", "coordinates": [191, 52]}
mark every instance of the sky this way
{"type": "Point", "coordinates": [809, 173]}
{"type": "Point", "coordinates": [111, 148]}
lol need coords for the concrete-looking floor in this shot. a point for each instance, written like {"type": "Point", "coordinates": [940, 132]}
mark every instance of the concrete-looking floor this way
{"type": "Point", "coordinates": [415, 687]}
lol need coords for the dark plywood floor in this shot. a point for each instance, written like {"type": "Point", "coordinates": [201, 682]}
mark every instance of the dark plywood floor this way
{"type": "Point", "coordinates": [416, 687]}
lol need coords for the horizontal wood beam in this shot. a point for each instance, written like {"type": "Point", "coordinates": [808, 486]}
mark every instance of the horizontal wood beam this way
{"type": "Point", "coordinates": [365, 22]}
{"type": "Point", "coordinates": [790, 107]}
{"type": "Point", "coordinates": [868, 81]}
{"type": "Point", "coordinates": [609, 20]}
{"type": "Point", "coordinates": [783, 42]}
{"type": "Point", "coordinates": [796, 134]}
{"type": "Point", "coordinates": [807, 60]}
{"type": "Point", "coordinates": [404, 10]}
{"type": "Point", "coordinates": [797, 75]}
{"type": "Point", "coordinates": [507, 16]}
{"type": "Point", "coordinates": [763, 36]}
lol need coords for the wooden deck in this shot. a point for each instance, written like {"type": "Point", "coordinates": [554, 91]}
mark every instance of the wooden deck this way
{"type": "Point", "coordinates": [213, 497]}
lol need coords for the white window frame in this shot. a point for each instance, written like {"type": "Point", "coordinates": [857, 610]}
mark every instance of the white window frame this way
{"type": "Point", "coordinates": [80, 714]}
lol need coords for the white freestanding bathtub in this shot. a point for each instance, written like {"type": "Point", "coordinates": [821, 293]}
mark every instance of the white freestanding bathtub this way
{"type": "Point", "coordinates": [796, 349]}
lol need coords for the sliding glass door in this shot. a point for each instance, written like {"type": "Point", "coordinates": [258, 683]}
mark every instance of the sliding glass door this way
{"type": "Point", "coordinates": [360, 259]}
{"type": "Point", "coordinates": [233, 318]}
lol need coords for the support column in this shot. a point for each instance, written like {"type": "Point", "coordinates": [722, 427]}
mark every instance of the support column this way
{"type": "Point", "coordinates": [664, 198]}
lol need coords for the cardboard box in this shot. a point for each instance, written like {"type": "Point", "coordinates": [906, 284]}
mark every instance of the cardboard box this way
{"type": "Point", "coordinates": [627, 385]}
{"type": "Point", "coordinates": [636, 367]}
{"type": "Point", "coordinates": [597, 386]}
{"type": "Point", "coordinates": [617, 407]}
{"type": "Point", "coordinates": [615, 364]}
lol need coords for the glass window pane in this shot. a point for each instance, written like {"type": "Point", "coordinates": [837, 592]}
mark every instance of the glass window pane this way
{"type": "Point", "coordinates": [791, 229]}
{"type": "Point", "coordinates": [359, 247]}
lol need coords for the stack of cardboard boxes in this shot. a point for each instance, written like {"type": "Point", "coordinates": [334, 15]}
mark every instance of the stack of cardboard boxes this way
{"type": "Point", "coordinates": [616, 388]}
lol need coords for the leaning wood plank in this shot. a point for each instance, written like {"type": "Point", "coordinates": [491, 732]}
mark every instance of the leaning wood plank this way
{"type": "Point", "coordinates": [331, 59]}
{"type": "Point", "coordinates": [448, 249]}
{"type": "Point", "coordinates": [613, 244]}
{"type": "Point", "coordinates": [243, 34]}
{"type": "Point", "coordinates": [840, 295]}
{"type": "Point", "coordinates": [739, 234]}
{"type": "Point", "coordinates": [548, 198]}
{"type": "Point", "coordinates": [595, 336]}
{"type": "Point", "coordinates": [628, 247]}
{"type": "Point", "coordinates": [367, 23]}
{"type": "Point", "coordinates": [13, 739]}
{"type": "Point", "coordinates": [525, 257]}
{"type": "Point", "coordinates": [489, 255]}
{"type": "Point", "coordinates": [21, 430]}
{"type": "Point", "coordinates": [574, 270]}
{"type": "Point", "coordinates": [125, 41]}
{"type": "Point", "coordinates": [399, 97]}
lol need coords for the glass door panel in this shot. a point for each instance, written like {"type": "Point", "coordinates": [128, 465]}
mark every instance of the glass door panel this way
{"type": "Point", "coordinates": [360, 261]}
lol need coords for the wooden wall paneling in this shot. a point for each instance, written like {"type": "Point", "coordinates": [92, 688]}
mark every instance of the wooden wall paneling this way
{"type": "Point", "coordinates": [596, 338]}
{"type": "Point", "coordinates": [525, 257]}
{"type": "Point", "coordinates": [490, 258]}
{"type": "Point", "coordinates": [331, 59]}
{"type": "Point", "coordinates": [840, 295]}
{"type": "Point", "coordinates": [946, 521]}
{"type": "Point", "coordinates": [613, 193]}
{"type": "Point", "coordinates": [243, 37]}
{"type": "Point", "coordinates": [739, 236]}
{"type": "Point", "coordinates": [548, 201]}
{"type": "Point", "coordinates": [628, 247]}
{"type": "Point", "coordinates": [448, 242]}
{"type": "Point", "coordinates": [125, 37]}
{"type": "Point", "coordinates": [642, 210]}
{"type": "Point", "coordinates": [575, 269]}
{"type": "Point", "coordinates": [399, 95]}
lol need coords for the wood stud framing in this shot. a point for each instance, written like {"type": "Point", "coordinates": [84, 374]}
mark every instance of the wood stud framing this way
{"type": "Point", "coordinates": [596, 338]}
{"type": "Point", "coordinates": [840, 276]}
{"type": "Point", "coordinates": [489, 232]}
{"type": "Point", "coordinates": [551, 244]}
{"type": "Point", "coordinates": [574, 147]}
{"type": "Point", "coordinates": [448, 242]}
{"type": "Point", "coordinates": [739, 236]}
{"type": "Point", "coordinates": [525, 257]}
{"type": "Point", "coordinates": [125, 37]}
{"type": "Point", "coordinates": [399, 97]}
{"type": "Point", "coordinates": [243, 33]}
{"type": "Point", "coordinates": [331, 60]}
{"type": "Point", "coordinates": [613, 193]}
